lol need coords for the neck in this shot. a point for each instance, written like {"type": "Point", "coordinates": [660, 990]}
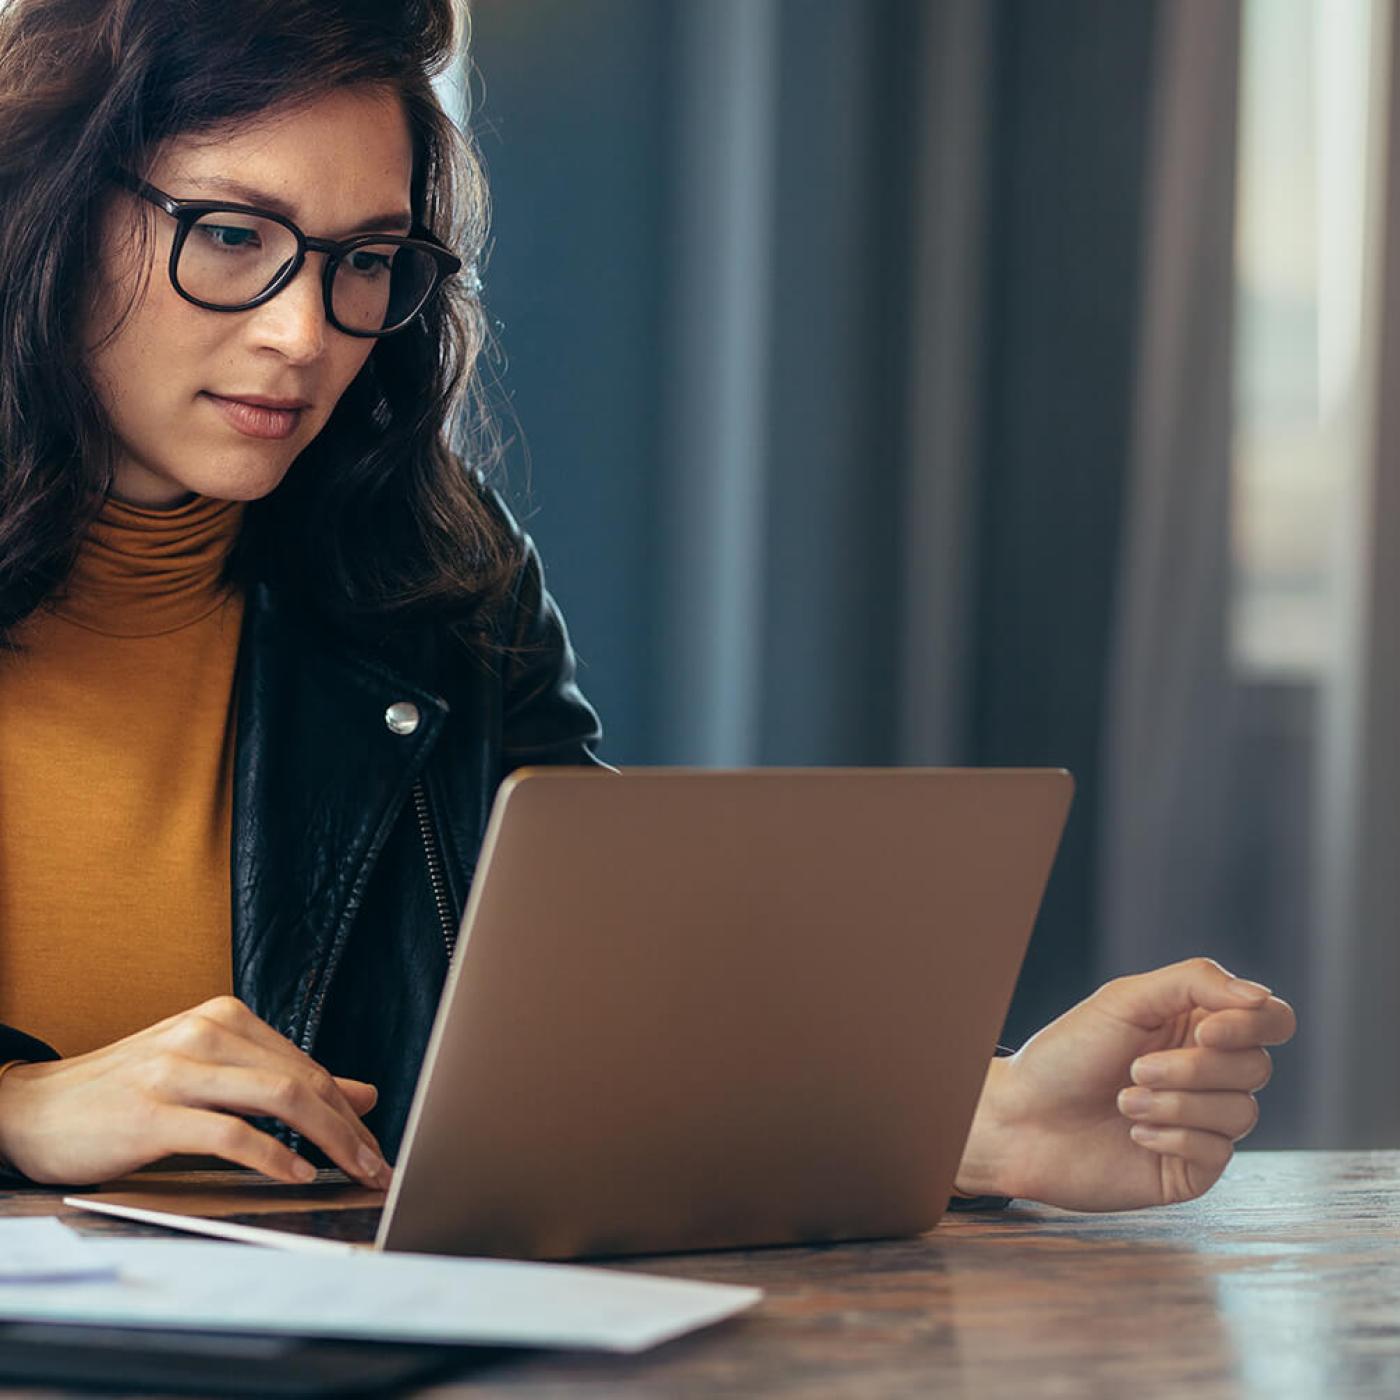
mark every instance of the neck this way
{"type": "Point", "coordinates": [135, 485]}
{"type": "Point", "coordinates": [169, 500]}
{"type": "Point", "coordinates": [142, 571]}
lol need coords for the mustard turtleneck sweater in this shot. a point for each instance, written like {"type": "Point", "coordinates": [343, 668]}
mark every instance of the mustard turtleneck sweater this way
{"type": "Point", "coordinates": [116, 765]}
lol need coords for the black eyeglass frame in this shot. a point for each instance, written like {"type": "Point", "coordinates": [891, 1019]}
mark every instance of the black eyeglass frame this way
{"type": "Point", "coordinates": [187, 212]}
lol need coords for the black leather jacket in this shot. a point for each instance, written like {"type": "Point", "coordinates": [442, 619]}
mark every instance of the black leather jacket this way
{"type": "Point", "coordinates": [354, 845]}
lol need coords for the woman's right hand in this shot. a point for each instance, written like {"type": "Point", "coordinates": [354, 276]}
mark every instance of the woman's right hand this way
{"type": "Point", "coordinates": [176, 1087]}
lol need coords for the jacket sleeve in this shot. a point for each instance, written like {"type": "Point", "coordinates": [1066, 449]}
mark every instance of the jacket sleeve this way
{"type": "Point", "coordinates": [546, 718]}
{"type": "Point", "coordinates": [983, 1202]}
{"type": "Point", "coordinates": [15, 1045]}
{"type": "Point", "coordinates": [979, 1202]}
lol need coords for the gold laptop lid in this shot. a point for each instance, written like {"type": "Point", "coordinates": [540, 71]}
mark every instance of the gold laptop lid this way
{"type": "Point", "coordinates": [700, 1009]}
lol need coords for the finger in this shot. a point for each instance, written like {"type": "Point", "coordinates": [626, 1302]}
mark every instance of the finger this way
{"type": "Point", "coordinates": [232, 1049]}
{"type": "Point", "coordinates": [360, 1096]}
{"type": "Point", "coordinates": [1204, 1155]}
{"type": "Point", "coordinates": [1233, 1116]}
{"type": "Point", "coordinates": [1150, 999]}
{"type": "Point", "coordinates": [278, 1094]}
{"type": "Point", "coordinates": [1249, 1070]}
{"type": "Point", "coordinates": [1270, 1024]}
{"type": "Point", "coordinates": [198, 1131]}
{"type": "Point", "coordinates": [240, 1019]}
{"type": "Point", "coordinates": [205, 1034]}
{"type": "Point", "coordinates": [188, 1079]}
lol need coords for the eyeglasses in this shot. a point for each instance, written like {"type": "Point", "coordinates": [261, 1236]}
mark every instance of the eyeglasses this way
{"type": "Point", "coordinates": [232, 257]}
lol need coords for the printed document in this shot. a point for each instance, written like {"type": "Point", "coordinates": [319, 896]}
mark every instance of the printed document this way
{"type": "Point", "coordinates": [41, 1250]}
{"type": "Point", "coordinates": [391, 1297]}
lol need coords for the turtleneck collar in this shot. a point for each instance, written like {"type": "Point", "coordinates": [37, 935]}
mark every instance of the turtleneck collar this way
{"type": "Point", "coordinates": [142, 572]}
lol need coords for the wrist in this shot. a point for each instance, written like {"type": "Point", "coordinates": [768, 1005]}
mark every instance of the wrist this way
{"type": "Point", "coordinates": [988, 1160]}
{"type": "Point", "coordinates": [6, 1069]}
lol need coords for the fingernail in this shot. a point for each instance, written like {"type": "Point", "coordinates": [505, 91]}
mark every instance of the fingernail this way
{"type": "Point", "coordinates": [303, 1170]}
{"type": "Point", "coordinates": [1255, 991]}
{"type": "Point", "coordinates": [1141, 1132]}
{"type": "Point", "coordinates": [1135, 1102]}
{"type": "Point", "coordinates": [1149, 1072]}
{"type": "Point", "coordinates": [372, 1165]}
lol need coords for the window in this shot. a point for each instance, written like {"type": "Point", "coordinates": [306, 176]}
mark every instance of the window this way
{"type": "Point", "coordinates": [1309, 180]}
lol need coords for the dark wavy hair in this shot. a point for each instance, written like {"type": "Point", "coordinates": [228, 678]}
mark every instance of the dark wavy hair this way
{"type": "Point", "coordinates": [384, 514]}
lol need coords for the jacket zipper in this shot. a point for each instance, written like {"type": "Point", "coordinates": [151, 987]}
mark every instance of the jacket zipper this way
{"type": "Point", "coordinates": [440, 898]}
{"type": "Point", "coordinates": [433, 854]}
{"type": "Point", "coordinates": [444, 907]}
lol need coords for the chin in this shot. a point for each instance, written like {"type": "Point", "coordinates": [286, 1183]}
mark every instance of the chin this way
{"type": "Point", "coordinates": [229, 481]}
{"type": "Point", "coordinates": [240, 486]}
{"type": "Point", "coordinates": [210, 466]}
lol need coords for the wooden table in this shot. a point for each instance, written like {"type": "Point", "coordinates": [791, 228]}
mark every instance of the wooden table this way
{"type": "Point", "coordinates": [1283, 1282]}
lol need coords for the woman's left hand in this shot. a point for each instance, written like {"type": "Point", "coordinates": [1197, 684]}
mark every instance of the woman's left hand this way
{"type": "Point", "coordinates": [1136, 1097]}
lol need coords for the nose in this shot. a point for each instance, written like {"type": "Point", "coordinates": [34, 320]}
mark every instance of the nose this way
{"type": "Point", "coordinates": [294, 322]}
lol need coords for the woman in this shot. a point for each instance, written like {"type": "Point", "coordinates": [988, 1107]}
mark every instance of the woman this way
{"type": "Point", "coordinates": [256, 605]}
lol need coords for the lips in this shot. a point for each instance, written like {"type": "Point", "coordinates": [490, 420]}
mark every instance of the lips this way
{"type": "Point", "coordinates": [259, 416]}
{"type": "Point", "coordinates": [263, 401]}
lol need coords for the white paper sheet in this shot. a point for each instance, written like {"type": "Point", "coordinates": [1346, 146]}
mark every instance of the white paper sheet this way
{"type": "Point", "coordinates": [399, 1297]}
{"type": "Point", "coordinates": [41, 1250]}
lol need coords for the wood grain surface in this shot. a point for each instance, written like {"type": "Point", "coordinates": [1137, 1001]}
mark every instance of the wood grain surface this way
{"type": "Point", "coordinates": [1283, 1282]}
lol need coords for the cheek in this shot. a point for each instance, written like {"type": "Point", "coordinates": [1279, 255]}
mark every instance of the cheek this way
{"type": "Point", "coordinates": [346, 361]}
{"type": "Point", "coordinates": [143, 345]}
{"type": "Point", "coordinates": [136, 320]}
{"type": "Point", "coordinates": [147, 363]}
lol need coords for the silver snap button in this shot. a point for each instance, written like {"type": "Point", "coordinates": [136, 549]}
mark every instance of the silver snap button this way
{"type": "Point", "coordinates": [402, 717]}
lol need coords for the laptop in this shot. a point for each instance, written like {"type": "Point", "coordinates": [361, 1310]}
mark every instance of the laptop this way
{"type": "Point", "coordinates": [695, 1009]}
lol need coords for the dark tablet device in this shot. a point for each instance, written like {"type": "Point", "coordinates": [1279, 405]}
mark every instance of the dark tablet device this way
{"type": "Point", "coordinates": [208, 1363]}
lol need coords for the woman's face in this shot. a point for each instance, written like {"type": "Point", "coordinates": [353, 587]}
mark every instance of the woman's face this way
{"type": "Point", "coordinates": [176, 380]}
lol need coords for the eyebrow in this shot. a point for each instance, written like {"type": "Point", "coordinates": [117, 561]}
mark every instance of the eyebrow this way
{"type": "Point", "coordinates": [248, 194]}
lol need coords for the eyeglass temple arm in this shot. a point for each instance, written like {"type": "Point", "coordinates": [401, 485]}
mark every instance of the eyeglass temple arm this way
{"type": "Point", "coordinates": [147, 191]}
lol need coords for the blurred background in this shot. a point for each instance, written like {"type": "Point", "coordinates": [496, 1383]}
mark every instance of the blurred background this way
{"type": "Point", "coordinates": [992, 382]}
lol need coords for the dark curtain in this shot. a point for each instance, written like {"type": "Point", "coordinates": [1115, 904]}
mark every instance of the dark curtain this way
{"type": "Point", "coordinates": [1072, 86]}
{"type": "Point", "coordinates": [1044, 111]}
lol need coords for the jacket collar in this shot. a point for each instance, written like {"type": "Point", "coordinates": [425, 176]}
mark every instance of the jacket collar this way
{"type": "Point", "coordinates": [319, 779]}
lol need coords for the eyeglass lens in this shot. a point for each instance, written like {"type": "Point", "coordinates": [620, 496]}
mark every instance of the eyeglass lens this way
{"type": "Point", "coordinates": [229, 259]}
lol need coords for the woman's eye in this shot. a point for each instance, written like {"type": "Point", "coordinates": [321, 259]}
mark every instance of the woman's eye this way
{"type": "Point", "coordinates": [369, 264]}
{"type": "Point", "coordinates": [229, 236]}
